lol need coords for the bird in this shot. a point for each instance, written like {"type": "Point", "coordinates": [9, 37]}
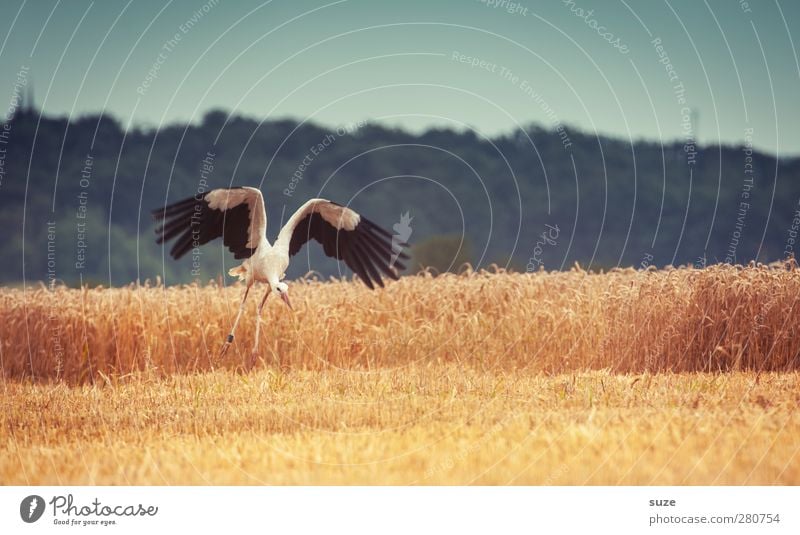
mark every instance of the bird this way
{"type": "Point", "coordinates": [238, 215]}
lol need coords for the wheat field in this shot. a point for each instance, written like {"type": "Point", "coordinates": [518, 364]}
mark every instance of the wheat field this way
{"type": "Point", "coordinates": [676, 376]}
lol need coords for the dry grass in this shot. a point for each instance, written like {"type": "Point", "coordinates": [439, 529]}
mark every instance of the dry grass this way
{"type": "Point", "coordinates": [658, 377]}
{"type": "Point", "coordinates": [427, 424]}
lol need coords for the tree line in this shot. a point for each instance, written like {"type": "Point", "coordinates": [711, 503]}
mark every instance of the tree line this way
{"type": "Point", "coordinates": [77, 195]}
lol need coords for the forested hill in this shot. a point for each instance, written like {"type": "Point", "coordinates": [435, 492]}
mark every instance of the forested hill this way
{"type": "Point", "coordinates": [76, 195]}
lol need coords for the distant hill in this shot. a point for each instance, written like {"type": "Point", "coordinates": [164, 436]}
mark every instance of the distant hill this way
{"type": "Point", "coordinates": [76, 195]}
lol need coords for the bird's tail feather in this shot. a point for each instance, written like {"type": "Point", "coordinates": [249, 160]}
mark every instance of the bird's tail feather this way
{"type": "Point", "coordinates": [238, 271]}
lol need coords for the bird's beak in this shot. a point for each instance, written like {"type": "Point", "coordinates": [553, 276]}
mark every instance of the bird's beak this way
{"type": "Point", "coordinates": [285, 298]}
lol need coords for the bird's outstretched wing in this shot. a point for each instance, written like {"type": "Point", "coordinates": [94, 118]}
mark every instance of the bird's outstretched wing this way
{"type": "Point", "coordinates": [365, 247]}
{"type": "Point", "coordinates": [236, 214]}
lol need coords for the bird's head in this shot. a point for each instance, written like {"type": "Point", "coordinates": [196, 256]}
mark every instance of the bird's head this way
{"type": "Point", "coordinates": [282, 289]}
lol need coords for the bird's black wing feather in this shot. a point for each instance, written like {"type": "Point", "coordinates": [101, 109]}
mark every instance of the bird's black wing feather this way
{"type": "Point", "coordinates": [195, 223]}
{"type": "Point", "coordinates": [367, 249]}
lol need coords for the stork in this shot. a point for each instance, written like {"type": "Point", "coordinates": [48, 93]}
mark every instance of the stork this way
{"type": "Point", "coordinates": [238, 215]}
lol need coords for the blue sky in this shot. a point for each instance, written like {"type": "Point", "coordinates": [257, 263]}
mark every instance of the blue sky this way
{"type": "Point", "coordinates": [410, 63]}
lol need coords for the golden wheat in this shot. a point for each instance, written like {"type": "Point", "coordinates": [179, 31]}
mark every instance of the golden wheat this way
{"type": "Point", "coordinates": [716, 319]}
{"type": "Point", "coordinates": [426, 424]}
{"type": "Point", "coordinates": [677, 376]}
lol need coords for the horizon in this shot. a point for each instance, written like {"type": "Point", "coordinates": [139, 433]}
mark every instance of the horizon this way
{"type": "Point", "coordinates": [147, 128]}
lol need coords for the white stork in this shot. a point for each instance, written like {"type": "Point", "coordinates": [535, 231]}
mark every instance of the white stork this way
{"type": "Point", "coordinates": [238, 215]}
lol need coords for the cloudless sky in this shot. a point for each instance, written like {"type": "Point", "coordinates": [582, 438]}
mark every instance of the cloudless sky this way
{"type": "Point", "coordinates": [338, 62]}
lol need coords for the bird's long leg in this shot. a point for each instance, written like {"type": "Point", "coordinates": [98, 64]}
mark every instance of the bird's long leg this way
{"type": "Point", "coordinates": [254, 354]}
{"type": "Point", "coordinates": [229, 340]}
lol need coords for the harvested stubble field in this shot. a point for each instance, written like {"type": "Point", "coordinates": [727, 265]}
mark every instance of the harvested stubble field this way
{"type": "Point", "coordinates": [631, 377]}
